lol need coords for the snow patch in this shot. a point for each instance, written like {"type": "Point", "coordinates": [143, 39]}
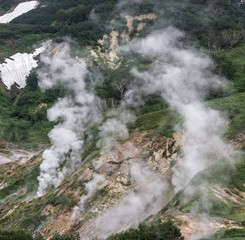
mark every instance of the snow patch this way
{"type": "Point", "coordinates": [18, 67]}
{"type": "Point", "coordinates": [19, 10]}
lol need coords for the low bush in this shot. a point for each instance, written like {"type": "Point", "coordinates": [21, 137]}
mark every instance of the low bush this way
{"type": "Point", "coordinates": [156, 231]}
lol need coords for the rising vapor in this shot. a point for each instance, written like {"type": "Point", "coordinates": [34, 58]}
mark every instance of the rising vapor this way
{"type": "Point", "coordinates": [75, 112]}
{"type": "Point", "coordinates": [181, 76]}
{"type": "Point", "coordinates": [146, 200]}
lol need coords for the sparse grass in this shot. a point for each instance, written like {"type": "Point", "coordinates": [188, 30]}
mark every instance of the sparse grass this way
{"type": "Point", "coordinates": [98, 195]}
{"type": "Point", "coordinates": [63, 201]}
{"type": "Point", "coordinates": [22, 179]}
{"type": "Point", "coordinates": [5, 152]}
{"type": "Point", "coordinates": [163, 121]}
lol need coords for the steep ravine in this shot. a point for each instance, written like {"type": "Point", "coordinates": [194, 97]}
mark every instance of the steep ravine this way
{"type": "Point", "coordinates": [143, 190]}
{"type": "Point", "coordinates": [155, 158]}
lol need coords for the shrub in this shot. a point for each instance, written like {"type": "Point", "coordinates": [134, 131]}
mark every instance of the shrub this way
{"type": "Point", "coordinates": [18, 235]}
{"type": "Point", "coordinates": [156, 231]}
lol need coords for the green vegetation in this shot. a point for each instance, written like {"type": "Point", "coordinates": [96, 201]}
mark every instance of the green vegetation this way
{"type": "Point", "coordinates": [29, 215]}
{"type": "Point", "coordinates": [23, 118]}
{"type": "Point", "coordinates": [18, 235]}
{"type": "Point", "coordinates": [19, 38]}
{"type": "Point", "coordinates": [25, 178]}
{"type": "Point", "coordinates": [158, 230]}
{"type": "Point", "coordinates": [231, 63]}
{"type": "Point", "coordinates": [217, 25]}
{"type": "Point", "coordinates": [70, 237]}
{"type": "Point", "coordinates": [209, 22]}
{"type": "Point", "coordinates": [229, 234]}
{"type": "Point", "coordinates": [225, 173]}
{"type": "Point", "coordinates": [155, 114]}
{"type": "Point", "coordinates": [64, 201]}
{"type": "Point", "coordinates": [229, 176]}
{"type": "Point", "coordinates": [21, 235]}
{"type": "Point", "coordinates": [233, 108]}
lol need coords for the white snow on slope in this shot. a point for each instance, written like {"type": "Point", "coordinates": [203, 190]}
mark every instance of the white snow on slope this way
{"type": "Point", "coordinates": [19, 10]}
{"type": "Point", "coordinates": [17, 68]}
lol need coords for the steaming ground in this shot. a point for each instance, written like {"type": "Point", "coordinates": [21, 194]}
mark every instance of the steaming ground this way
{"type": "Point", "coordinates": [146, 200]}
{"type": "Point", "coordinates": [181, 76]}
{"type": "Point", "coordinates": [91, 188]}
{"type": "Point", "coordinates": [115, 128]}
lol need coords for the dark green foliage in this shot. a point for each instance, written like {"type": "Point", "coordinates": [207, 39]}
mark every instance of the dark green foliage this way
{"type": "Point", "coordinates": [234, 233]}
{"type": "Point", "coordinates": [155, 114]}
{"type": "Point", "coordinates": [17, 235]}
{"type": "Point", "coordinates": [19, 30]}
{"type": "Point", "coordinates": [72, 18]}
{"type": "Point", "coordinates": [5, 102]}
{"type": "Point", "coordinates": [204, 20]}
{"type": "Point", "coordinates": [158, 230]}
{"type": "Point", "coordinates": [20, 43]}
{"type": "Point", "coordinates": [64, 201]}
{"type": "Point", "coordinates": [32, 221]}
{"type": "Point", "coordinates": [21, 235]}
{"type": "Point", "coordinates": [231, 64]}
{"type": "Point", "coordinates": [229, 234]}
{"type": "Point", "coordinates": [70, 237]}
{"type": "Point", "coordinates": [115, 84]}
{"type": "Point", "coordinates": [24, 118]}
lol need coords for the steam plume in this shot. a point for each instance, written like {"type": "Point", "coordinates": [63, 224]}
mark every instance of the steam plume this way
{"type": "Point", "coordinates": [114, 129]}
{"type": "Point", "coordinates": [181, 76]}
{"type": "Point", "coordinates": [75, 111]}
{"type": "Point", "coordinates": [90, 188]}
{"type": "Point", "coordinates": [147, 199]}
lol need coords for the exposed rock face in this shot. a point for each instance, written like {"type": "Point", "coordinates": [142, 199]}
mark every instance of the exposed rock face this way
{"type": "Point", "coordinates": [109, 45]}
{"type": "Point", "coordinates": [121, 187]}
{"type": "Point", "coordinates": [121, 183]}
{"type": "Point", "coordinates": [116, 168]}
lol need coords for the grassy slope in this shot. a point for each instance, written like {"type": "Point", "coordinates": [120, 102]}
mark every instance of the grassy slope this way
{"type": "Point", "coordinates": [163, 123]}
{"type": "Point", "coordinates": [233, 108]}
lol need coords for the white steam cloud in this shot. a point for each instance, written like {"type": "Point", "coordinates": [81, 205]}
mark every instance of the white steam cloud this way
{"type": "Point", "coordinates": [181, 76]}
{"type": "Point", "coordinates": [114, 129]}
{"type": "Point", "coordinates": [75, 112]}
{"type": "Point", "coordinates": [90, 187]}
{"type": "Point", "coordinates": [147, 199]}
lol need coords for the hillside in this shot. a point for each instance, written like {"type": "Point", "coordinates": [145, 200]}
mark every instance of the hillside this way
{"type": "Point", "coordinates": [122, 119]}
